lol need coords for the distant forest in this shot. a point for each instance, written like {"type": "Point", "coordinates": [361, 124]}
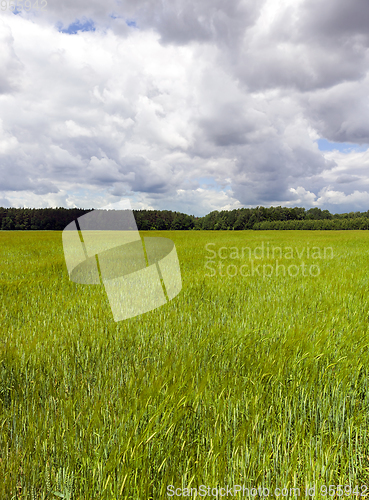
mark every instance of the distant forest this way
{"type": "Point", "coordinates": [259, 218]}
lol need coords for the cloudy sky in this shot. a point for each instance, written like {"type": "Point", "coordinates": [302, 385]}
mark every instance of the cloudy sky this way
{"type": "Point", "coordinates": [185, 105]}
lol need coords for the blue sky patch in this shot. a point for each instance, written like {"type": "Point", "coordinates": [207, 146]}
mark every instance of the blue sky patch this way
{"type": "Point", "coordinates": [343, 147]}
{"type": "Point", "coordinates": [129, 22]}
{"type": "Point", "coordinates": [84, 25]}
{"type": "Point", "coordinates": [209, 183]}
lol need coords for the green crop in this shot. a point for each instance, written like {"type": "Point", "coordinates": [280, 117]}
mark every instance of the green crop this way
{"type": "Point", "coordinates": [259, 381]}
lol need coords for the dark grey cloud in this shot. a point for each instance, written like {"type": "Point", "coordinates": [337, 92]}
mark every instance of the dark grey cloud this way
{"type": "Point", "coordinates": [142, 176]}
{"type": "Point", "coordinates": [303, 47]}
{"type": "Point", "coordinates": [336, 19]}
{"type": "Point", "coordinates": [347, 179]}
{"type": "Point", "coordinates": [17, 177]}
{"type": "Point", "coordinates": [340, 113]}
{"type": "Point", "coordinates": [232, 123]}
{"type": "Point", "coordinates": [265, 176]}
{"type": "Point", "coordinates": [180, 22]}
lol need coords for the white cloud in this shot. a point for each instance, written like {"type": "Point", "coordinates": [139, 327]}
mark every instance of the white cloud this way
{"type": "Point", "coordinates": [233, 92]}
{"type": "Point", "coordinates": [329, 196]}
{"type": "Point", "coordinates": [303, 197]}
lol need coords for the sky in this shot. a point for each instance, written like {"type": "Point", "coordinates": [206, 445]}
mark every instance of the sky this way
{"type": "Point", "coordinates": [185, 105]}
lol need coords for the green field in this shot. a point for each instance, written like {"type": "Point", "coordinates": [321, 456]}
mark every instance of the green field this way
{"type": "Point", "coordinates": [260, 381]}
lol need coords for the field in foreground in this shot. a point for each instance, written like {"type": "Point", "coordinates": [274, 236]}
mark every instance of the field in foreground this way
{"type": "Point", "coordinates": [256, 379]}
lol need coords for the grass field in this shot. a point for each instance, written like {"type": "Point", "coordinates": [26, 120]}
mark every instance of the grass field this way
{"type": "Point", "coordinates": [259, 380]}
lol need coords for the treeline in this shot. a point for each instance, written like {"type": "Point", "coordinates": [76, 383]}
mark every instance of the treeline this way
{"type": "Point", "coordinates": [325, 224]}
{"type": "Point", "coordinates": [58, 218]}
{"type": "Point", "coordinates": [38, 218]}
{"type": "Point", "coordinates": [259, 218]}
